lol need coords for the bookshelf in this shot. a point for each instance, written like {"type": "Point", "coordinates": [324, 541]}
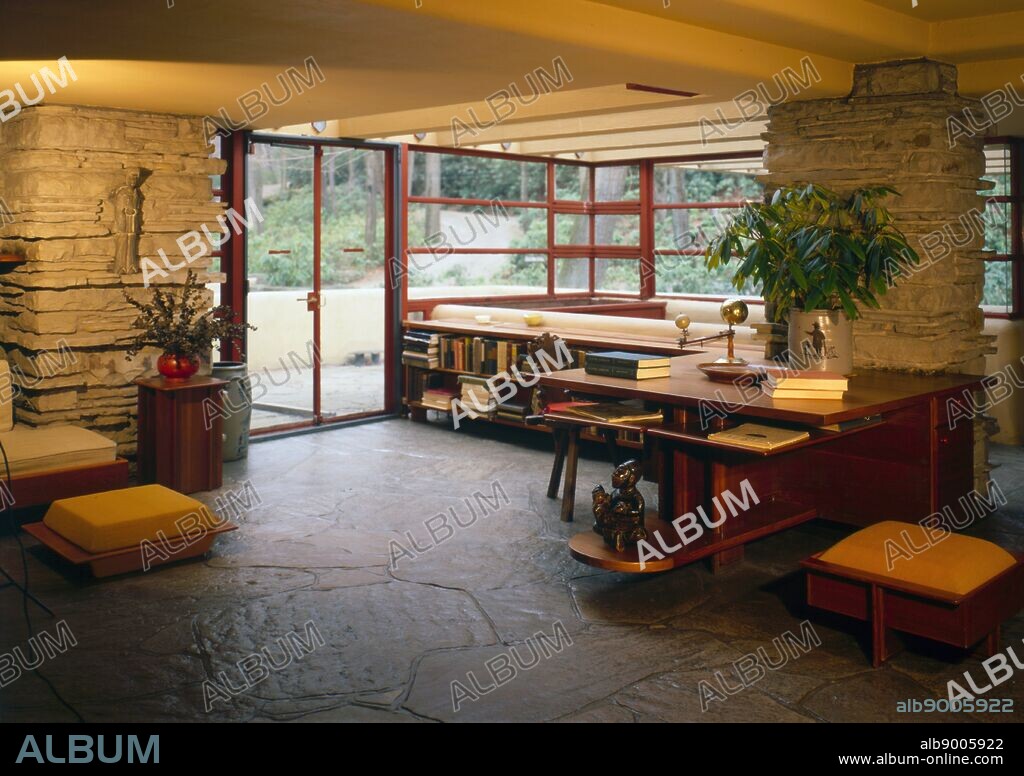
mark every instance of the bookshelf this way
{"type": "Point", "coordinates": [484, 350]}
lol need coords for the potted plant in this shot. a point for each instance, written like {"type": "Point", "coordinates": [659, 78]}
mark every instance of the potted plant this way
{"type": "Point", "coordinates": [183, 327]}
{"type": "Point", "coordinates": [816, 255]}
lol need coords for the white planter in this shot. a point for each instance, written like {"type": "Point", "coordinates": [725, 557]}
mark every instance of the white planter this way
{"type": "Point", "coordinates": [821, 340]}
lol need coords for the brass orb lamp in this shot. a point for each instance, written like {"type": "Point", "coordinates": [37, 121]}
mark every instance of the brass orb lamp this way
{"type": "Point", "coordinates": [734, 312]}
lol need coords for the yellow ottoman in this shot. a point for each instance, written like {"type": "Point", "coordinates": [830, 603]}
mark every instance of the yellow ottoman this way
{"type": "Point", "coordinates": [946, 587]}
{"type": "Point", "coordinates": [128, 529]}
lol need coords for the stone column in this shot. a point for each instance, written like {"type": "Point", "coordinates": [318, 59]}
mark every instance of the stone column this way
{"type": "Point", "coordinates": [63, 319]}
{"type": "Point", "coordinates": [892, 130]}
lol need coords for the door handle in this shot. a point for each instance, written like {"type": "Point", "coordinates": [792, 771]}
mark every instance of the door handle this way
{"type": "Point", "coordinates": [312, 301]}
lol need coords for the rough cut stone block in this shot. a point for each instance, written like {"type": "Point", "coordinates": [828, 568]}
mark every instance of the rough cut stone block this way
{"type": "Point", "coordinates": [59, 166]}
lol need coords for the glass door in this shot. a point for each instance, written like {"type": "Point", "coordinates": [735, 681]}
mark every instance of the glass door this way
{"type": "Point", "coordinates": [353, 264]}
{"type": "Point", "coordinates": [280, 261]}
{"type": "Point", "coordinates": [316, 270]}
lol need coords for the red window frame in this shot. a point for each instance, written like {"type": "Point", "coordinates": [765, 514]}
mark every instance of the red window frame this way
{"type": "Point", "coordinates": [654, 252]}
{"type": "Point", "coordinates": [552, 251]}
{"type": "Point", "coordinates": [1016, 201]}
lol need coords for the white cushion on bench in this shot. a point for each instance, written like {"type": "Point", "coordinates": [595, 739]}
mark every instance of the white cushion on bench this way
{"type": "Point", "coordinates": [604, 324]}
{"type": "Point", "coordinates": [32, 450]}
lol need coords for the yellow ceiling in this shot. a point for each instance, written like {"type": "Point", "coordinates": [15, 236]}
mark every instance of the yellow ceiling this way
{"type": "Point", "coordinates": [944, 10]}
{"type": "Point", "coordinates": [392, 68]}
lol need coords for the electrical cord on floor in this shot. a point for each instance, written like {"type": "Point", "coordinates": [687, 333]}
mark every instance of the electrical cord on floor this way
{"type": "Point", "coordinates": [24, 589]}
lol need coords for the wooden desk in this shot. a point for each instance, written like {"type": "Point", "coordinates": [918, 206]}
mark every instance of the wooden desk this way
{"type": "Point", "coordinates": [177, 449]}
{"type": "Point", "coordinates": [906, 467]}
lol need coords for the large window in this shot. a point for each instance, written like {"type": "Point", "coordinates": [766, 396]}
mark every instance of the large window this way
{"type": "Point", "coordinates": [476, 225]}
{"type": "Point", "coordinates": [484, 226]}
{"type": "Point", "coordinates": [693, 201]}
{"type": "Point", "coordinates": [481, 225]}
{"type": "Point", "coordinates": [1002, 226]}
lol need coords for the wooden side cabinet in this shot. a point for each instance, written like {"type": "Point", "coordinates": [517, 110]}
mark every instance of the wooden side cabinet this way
{"type": "Point", "coordinates": [176, 449]}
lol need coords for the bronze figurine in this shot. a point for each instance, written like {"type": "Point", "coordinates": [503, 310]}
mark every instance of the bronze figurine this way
{"type": "Point", "coordinates": [619, 516]}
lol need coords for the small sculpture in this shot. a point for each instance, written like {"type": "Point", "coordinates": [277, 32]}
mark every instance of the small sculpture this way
{"type": "Point", "coordinates": [619, 516]}
{"type": "Point", "coordinates": [127, 202]}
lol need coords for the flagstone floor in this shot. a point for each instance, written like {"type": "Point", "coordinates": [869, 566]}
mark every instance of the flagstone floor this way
{"type": "Point", "coordinates": [310, 563]}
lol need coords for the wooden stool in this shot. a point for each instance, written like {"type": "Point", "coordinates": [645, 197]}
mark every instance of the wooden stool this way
{"type": "Point", "coordinates": [957, 590]}
{"type": "Point", "coordinates": [566, 431]}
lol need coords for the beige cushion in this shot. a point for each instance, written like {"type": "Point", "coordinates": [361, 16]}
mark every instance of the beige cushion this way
{"type": "Point", "coordinates": [596, 323]}
{"type": "Point", "coordinates": [31, 450]}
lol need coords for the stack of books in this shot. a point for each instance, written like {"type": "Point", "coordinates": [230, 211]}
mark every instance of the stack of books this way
{"type": "Point", "coordinates": [630, 366]}
{"type": "Point", "coordinates": [439, 398]}
{"type": "Point", "coordinates": [513, 412]}
{"type": "Point", "coordinates": [755, 436]}
{"type": "Point", "coordinates": [476, 395]}
{"type": "Point", "coordinates": [796, 384]}
{"type": "Point", "coordinates": [419, 349]}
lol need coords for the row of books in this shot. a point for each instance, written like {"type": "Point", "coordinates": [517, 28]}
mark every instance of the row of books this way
{"type": "Point", "coordinates": [466, 353]}
{"type": "Point", "coordinates": [420, 349]}
{"type": "Point", "coordinates": [629, 366]}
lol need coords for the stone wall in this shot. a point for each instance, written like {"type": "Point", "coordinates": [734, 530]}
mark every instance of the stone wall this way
{"type": "Point", "coordinates": [64, 323]}
{"type": "Point", "coordinates": [892, 130]}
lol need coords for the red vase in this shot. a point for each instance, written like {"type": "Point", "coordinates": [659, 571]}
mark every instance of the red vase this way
{"type": "Point", "coordinates": [174, 366]}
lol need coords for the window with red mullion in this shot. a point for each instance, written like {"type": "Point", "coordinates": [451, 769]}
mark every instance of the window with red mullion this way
{"type": "Point", "coordinates": [1015, 200]}
{"type": "Point", "coordinates": [652, 207]}
{"type": "Point", "coordinates": [644, 208]}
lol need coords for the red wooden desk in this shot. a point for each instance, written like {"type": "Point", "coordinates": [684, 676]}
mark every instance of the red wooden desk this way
{"type": "Point", "coordinates": [176, 449]}
{"type": "Point", "coordinates": [906, 467]}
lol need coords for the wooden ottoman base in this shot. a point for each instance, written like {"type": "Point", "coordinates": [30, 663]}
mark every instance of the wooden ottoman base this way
{"type": "Point", "coordinates": [961, 620]}
{"type": "Point", "coordinates": [125, 559]}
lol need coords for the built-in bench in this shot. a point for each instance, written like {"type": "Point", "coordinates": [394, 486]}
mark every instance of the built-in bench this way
{"type": "Point", "coordinates": [705, 319]}
{"type": "Point", "coordinates": [51, 462]}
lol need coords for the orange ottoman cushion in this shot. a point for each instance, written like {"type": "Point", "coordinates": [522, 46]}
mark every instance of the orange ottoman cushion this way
{"type": "Point", "coordinates": [956, 564]}
{"type": "Point", "coordinates": [122, 518]}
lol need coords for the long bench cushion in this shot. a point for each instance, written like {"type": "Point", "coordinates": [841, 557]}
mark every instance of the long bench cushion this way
{"type": "Point", "coordinates": [902, 551]}
{"type": "Point", "coordinates": [31, 450]}
{"type": "Point", "coordinates": [587, 322]}
{"type": "Point", "coordinates": [124, 518]}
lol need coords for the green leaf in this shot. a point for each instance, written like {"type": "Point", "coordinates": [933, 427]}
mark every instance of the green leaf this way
{"type": "Point", "coordinates": [799, 275]}
{"type": "Point", "coordinates": [848, 306]}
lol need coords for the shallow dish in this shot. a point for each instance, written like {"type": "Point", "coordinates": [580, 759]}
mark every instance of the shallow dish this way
{"type": "Point", "coordinates": [730, 373]}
